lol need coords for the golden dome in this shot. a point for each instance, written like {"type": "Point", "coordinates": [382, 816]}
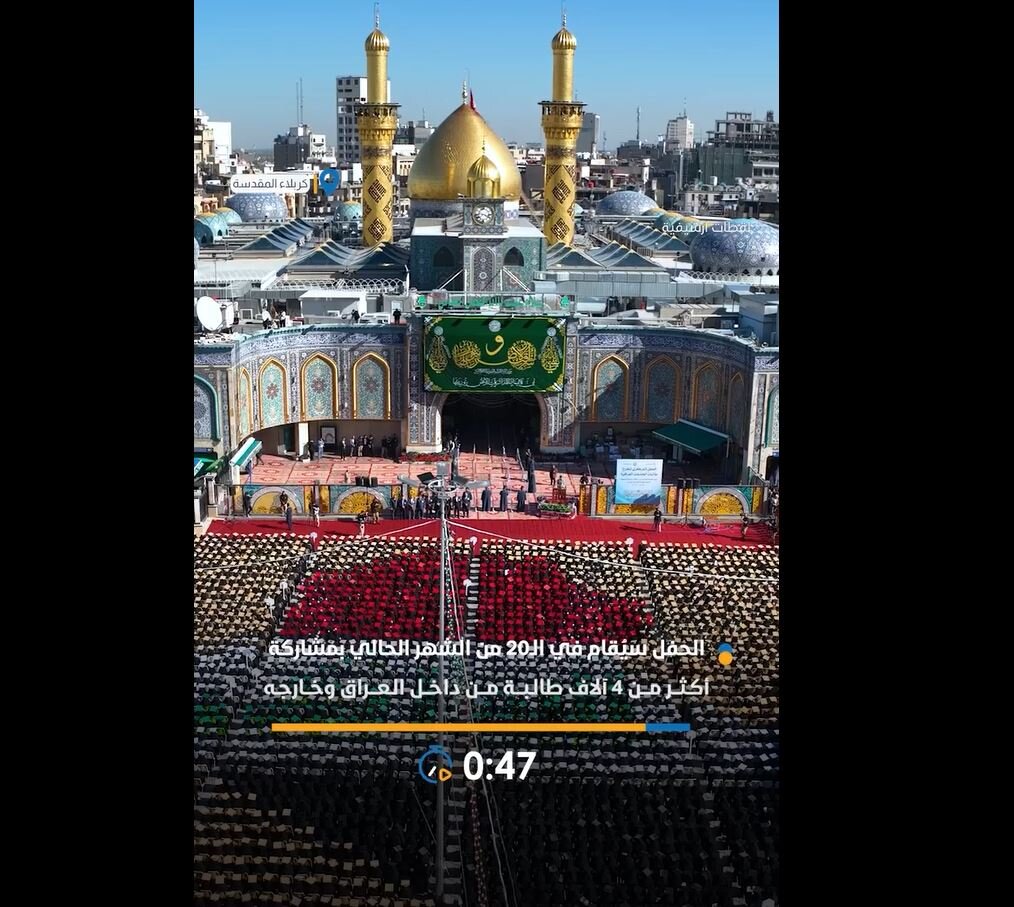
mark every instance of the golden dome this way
{"type": "Point", "coordinates": [483, 169]}
{"type": "Point", "coordinates": [441, 169]}
{"type": "Point", "coordinates": [564, 40]}
{"type": "Point", "coordinates": [376, 41]}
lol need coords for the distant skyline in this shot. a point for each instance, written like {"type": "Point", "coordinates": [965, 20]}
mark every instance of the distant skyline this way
{"type": "Point", "coordinates": [721, 56]}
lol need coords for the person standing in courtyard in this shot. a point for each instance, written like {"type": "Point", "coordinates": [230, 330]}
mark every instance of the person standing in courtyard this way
{"type": "Point", "coordinates": [503, 498]}
{"type": "Point", "coordinates": [658, 520]}
{"type": "Point", "coordinates": [247, 504]}
{"type": "Point", "coordinates": [288, 516]}
{"type": "Point", "coordinates": [315, 512]}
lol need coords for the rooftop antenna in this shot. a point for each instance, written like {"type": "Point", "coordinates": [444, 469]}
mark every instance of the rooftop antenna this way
{"type": "Point", "coordinates": [300, 100]}
{"type": "Point", "coordinates": [684, 108]}
{"type": "Point", "coordinates": [638, 127]}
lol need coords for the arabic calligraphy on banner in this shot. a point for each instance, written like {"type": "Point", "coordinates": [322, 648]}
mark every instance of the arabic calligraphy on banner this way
{"type": "Point", "coordinates": [494, 355]}
{"type": "Point", "coordinates": [297, 182]}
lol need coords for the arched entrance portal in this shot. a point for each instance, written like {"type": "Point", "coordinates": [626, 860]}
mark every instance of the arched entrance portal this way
{"type": "Point", "coordinates": [492, 421]}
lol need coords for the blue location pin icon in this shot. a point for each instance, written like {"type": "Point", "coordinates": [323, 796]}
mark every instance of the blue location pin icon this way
{"type": "Point", "coordinates": [329, 180]}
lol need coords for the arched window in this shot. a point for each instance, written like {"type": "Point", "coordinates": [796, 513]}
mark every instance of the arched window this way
{"type": "Point", "coordinates": [514, 258]}
{"type": "Point", "coordinates": [444, 258]}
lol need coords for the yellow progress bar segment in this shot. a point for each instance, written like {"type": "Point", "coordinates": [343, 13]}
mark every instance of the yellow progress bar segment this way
{"type": "Point", "coordinates": [410, 728]}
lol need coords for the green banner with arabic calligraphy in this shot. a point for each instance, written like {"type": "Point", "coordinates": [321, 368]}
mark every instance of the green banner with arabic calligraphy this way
{"type": "Point", "coordinates": [494, 355]}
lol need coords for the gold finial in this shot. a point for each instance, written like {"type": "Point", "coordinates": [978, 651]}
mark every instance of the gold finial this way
{"type": "Point", "coordinates": [376, 15]}
{"type": "Point", "coordinates": [464, 90]}
{"type": "Point", "coordinates": [483, 145]}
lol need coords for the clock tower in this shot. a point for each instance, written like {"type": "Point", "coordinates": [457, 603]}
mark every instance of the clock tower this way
{"type": "Point", "coordinates": [483, 209]}
{"type": "Point", "coordinates": [483, 213]}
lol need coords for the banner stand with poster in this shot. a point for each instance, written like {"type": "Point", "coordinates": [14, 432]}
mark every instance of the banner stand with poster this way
{"type": "Point", "coordinates": [639, 484]}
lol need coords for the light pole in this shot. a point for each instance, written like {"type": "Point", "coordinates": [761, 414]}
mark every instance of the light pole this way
{"type": "Point", "coordinates": [443, 488]}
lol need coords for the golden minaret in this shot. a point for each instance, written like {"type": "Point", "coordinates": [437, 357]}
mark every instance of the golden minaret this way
{"type": "Point", "coordinates": [561, 125]}
{"type": "Point", "coordinates": [376, 121]}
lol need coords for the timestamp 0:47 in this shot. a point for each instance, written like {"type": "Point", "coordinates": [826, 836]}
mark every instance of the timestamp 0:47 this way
{"type": "Point", "coordinates": [476, 765]}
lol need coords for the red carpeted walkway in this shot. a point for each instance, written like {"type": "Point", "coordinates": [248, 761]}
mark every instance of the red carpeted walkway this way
{"type": "Point", "coordinates": [586, 529]}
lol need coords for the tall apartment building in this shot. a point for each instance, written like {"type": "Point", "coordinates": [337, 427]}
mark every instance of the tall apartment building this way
{"type": "Point", "coordinates": [679, 133]}
{"type": "Point", "coordinates": [590, 137]}
{"type": "Point", "coordinates": [414, 133]}
{"type": "Point", "coordinates": [292, 150]}
{"type": "Point", "coordinates": [204, 144]}
{"type": "Point", "coordinates": [741, 130]}
{"type": "Point", "coordinates": [348, 91]}
{"type": "Point", "coordinates": [223, 141]}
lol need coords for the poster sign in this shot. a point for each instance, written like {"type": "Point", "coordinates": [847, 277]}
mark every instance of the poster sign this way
{"type": "Point", "coordinates": [494, 355]}
{"type": "Point", "coordinates": [639, 482]}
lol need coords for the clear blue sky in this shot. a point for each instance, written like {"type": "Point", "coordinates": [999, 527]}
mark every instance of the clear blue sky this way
{"type": "Point", "coordinates": [719, 54]}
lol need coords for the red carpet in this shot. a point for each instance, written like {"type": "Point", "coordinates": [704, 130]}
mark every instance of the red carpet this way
{"type": "Point", "coordinates": [585, 529]}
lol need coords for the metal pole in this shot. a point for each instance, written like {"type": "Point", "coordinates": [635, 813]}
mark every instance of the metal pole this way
{"type": "Point", "coordinates": [440, 699]}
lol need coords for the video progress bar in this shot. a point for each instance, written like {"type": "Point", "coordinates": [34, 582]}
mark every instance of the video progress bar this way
{"type": "Point", "coordinates": [480, 728]}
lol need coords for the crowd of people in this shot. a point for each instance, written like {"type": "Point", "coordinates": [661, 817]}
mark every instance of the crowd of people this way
{"type": "Point", "coordinates": [371, 589]}
{"type": "Point", "coordinates": [365, 446]}
{"type": "Point", "coordinates": [630, 844]}
{"type": "Point", "coordinates": [560, 593]}
{"type": "Point", "coordinates": [685, 819]}
{"type": "Point", "coordinates": [312, 836]}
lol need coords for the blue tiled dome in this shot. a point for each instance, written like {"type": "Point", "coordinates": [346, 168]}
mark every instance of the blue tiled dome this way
{"type": "Point", "coordinates": [254, 206]}
{"type": "Point", "coordinates": [666, 219]}
{"type": "Point", "coordinates": [231, 216]}
{"type": "Point", "coordinates": [625, 202]}
{"type": "Point", "coordinates": [346, 211]}
{"type": "Point", "coordinates": [197, 252]}
{"type": "Point", "coordinates": [209, 228]}
{"type": "Point", "coordinates": [735, 246]}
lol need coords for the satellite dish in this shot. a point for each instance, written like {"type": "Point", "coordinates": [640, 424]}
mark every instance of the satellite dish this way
{"type": "Point", "coordinates": [209, 313]}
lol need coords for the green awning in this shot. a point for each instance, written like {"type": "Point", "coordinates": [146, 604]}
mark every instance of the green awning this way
{"type": "Point", "coordinates": [695, 438]}
{"type": "Point", "coordinates": [249, 447]}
